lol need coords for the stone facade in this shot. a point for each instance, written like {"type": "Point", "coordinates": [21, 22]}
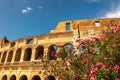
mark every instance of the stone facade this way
{"type": "Point", "coordinates": [19, 58]}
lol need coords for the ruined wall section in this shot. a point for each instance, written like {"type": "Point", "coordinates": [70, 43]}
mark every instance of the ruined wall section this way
{"type": "Point", "coordinates": [87, 28]}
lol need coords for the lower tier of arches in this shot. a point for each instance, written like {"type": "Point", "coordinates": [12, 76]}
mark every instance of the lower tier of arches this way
{"type": "Point", "coordinates": [24, 75]}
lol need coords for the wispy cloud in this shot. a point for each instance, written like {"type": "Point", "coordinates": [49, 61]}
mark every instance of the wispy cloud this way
{"type": "Point", "coordinates": [114, 12]}
{"type": "Point", "coordinates": [26, 10]}
{"type": "Point", "coordinates": [40, 7]}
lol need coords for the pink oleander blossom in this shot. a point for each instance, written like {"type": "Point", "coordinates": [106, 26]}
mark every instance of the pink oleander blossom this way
{"type": "Point", "coordinates": [99, 64]}
{"type": "Point", "coordinates": [94, 69]}
{"type": "Point", "coordinates": [116, 67]}
{"type": "Point", "coordinates": [92, 76]}
{"type": "Point", "coordinates": [65, 68]}
{"type": "Point", "coordinates": [102, 36]}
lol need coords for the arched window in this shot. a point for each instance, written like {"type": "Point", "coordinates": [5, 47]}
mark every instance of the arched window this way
{"type": "Point", "coordinates": [51, 77]}
{"type": "Point", "coordinates": [13, 77]}
{"type": "Point", "coordinates": [52, 50]}
{"type": "Point", "coordinates": [36, 78]}
{"type": "Point", "coordinates": [30, 41]}
{"type": "Point", "coordinates": [18, 55]}
{"type": "Point", "coordinates": [69, 48]}
{"type": "Point", "coordinates": [27, 54]}
{"type": "Point", "coordinates": [39, 52]}
{"type": "Point", "coordinates": [9, 59]}
{"type": "Point", "coordinates": [3, 57]}
{"type": "Point", "coordinates": [23, 77]}
{"type": "Point", "coordinates": [4, 77]}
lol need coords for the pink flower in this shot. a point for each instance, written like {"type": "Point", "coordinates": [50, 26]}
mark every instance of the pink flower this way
{"type": "Point", "coordinates": [83, 61]}
{"type": "Point", "coordinates": [45, 77]}
{"type": "Point", "coordinates": [80, 46]}
{"type": "Point", "coordinates": [65, 68]}
{"type": "Point", "coordinates": [94, 69]}
{"type": "Point", "coordinates": [102, 36]}
{"type": "Point", "coordinates": [104, 66]}
{"type": "Point", "coordinates": [116, 67]}
{"type": "Point", "coordinates": [78, 40]}
{"type": "Point", "coordinates": [76, 76]}
{"type": "Point", "coordinates": [54, 63]}
{"type": "Point", "coordinates": [117, 79]}
{"type": "Point", "coordinates": [85, 75]}
{"type": "Point", "coordinates": [94, 39]}
{"type": "Point", "coordinates": [102, 79]}
{"type": "Point", "coordinates": [87, 40]}
{"type": "Point", "coordinates": [92, 76]}
{"type": "Point", "coordinates": [116, 30]}
{"type": "Point", "coordinates": [45, 63]}
{"type": "Point", "coordinates": [99, 64]}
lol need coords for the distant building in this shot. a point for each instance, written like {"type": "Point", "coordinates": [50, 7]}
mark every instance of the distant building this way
{"type": "Point", "coordinates": [21, 59]}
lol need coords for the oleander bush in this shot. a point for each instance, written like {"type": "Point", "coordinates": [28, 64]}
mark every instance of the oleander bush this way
{"type": "Point", "coordinates": [97, 58]}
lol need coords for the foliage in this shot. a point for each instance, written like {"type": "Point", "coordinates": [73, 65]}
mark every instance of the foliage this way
{"type": "Point", "coordinates": [98, 59]}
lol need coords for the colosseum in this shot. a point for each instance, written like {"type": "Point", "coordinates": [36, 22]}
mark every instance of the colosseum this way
{"type": "Point", "coordinates": [19, 58]}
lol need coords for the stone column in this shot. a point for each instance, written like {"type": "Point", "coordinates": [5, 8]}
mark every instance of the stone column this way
{"type": "Point", "coordinates": [33, 54]}
{"type": "Point", "coordinates": [13, 57]}
{"type": "Point", "coordinates": [22, 55]}
{"type": "Point", "coordinates": [6, 57]}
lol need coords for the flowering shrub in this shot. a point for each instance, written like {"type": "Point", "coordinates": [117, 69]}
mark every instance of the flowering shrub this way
{"type": "Point", "coordinates": [98, 59]}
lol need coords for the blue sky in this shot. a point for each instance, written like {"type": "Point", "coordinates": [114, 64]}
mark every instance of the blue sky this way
{"type": "Point", "coordinates": [23, 18]}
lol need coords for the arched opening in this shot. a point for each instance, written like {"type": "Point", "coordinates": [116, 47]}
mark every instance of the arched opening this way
{"type": "Point", "coordinates": [10, 56]}
{"type": "Point", "coordinates": [52, 50]}
{"type": "Point", "coordinates": [3, 57]}
{"type": "Point", "coordinates": [51, 78]}
{"type": "Point", "coordinates": [27, 55]}
{"type": "Point", "coordinates": [30, 41]}
{"type": "Point", "coordinates": [13, 77]}
{"type": "Point", "coordinates": [23, 77]}
{"type": "Point", "coordinates": [69, 48]}
{"type": "Point", "coordinates": [4, 77]}
{"type": "Point", "coordinates": [36, 77]}
{"type": "Point", "coordinates": [39, 52]}
{"type": "Point", "coordinates": [17, 55]}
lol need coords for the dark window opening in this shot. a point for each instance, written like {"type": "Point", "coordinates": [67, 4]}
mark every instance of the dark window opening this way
{"type": "Point", "coordinates": [13, 77]}
{"type": "Point", "coordinates": [3, 57]}
{"type": "Point", "coordinates": [18, 55]}
{"type": "Point", "coordinates": [69, 48]}
{"type": "Point", "coordinates": [52, 52]}
{"type": "Point", "coordinates": [4, 77]}
{"type": "Point", "coordinates": [39, 52]}
{"type": "Point", "coordinates": [13, 44]}
{"type": "Point", "coordinates": [51, 78]}
{"type": "Point", "coordinates": [67, 26]}
{"type": "Point", "coordinates": [36, 78]}
{"type": "Point", "coordinates": [30, 41]}
{"type": "Point", "coordinates": [10, 56]}
{"type": "Point", "coordinates": [23, 77]}
{"type": "Point", "coordinates": [27, 55]}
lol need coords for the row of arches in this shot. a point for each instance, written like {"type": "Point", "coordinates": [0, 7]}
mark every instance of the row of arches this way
{"type": "Point", "coordinates": [39, 53]}
{"type": "Point", "coordinates": [24, 77]}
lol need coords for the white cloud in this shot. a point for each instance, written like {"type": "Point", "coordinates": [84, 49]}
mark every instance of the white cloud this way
{"type": "Point", "coordinates": [114, 12]}
{"type": "Point", "coordinates": [26, 10]}
{"type": "Point", "coordinates": [29, 8]}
